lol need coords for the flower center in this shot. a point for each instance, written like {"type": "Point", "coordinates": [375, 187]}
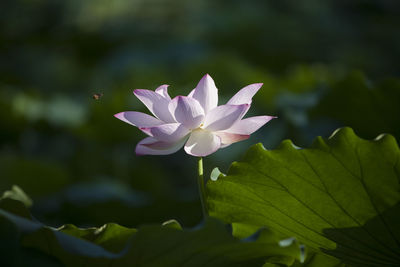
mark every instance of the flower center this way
{"type": "Point", "coordinates": [199, 128]}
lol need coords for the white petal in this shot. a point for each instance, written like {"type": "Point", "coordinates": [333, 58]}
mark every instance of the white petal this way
{"type": "Point", "coordinates": [202, 143]}
{"type": "Point", "coordinates": [249, 125]}
{"type": "Point", "coordinates": [156, 103]}
{"type": "Point", "coordinates": [245, 95]}
{"type": "Point", "coordinates": [206, 93]}
{"type": "Point", "coordinates": [169, 132]}
{"type": "Point", "coordinates": [151, 146]}
{"type": "Point", "coordinates": [138, 119]}
{"type": "Point", "coordinates": [230, 138]}
{"type": "Point", "coordinates": [187, 111]}
{"type": "Point", "coordinates": [223, 117]}
{"type": "Point", "coordinates": [226, 145]}
{"type": "Point", "coordinates": [163, 90]}
{"type": "Point", "coordinates": [191, 93]}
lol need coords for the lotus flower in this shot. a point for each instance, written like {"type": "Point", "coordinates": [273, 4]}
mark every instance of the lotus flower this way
{"type": "Point", "coordinates": [194, 121]}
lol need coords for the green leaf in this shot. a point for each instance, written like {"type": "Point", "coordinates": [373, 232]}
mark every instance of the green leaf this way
{"type": "Point", "coordinates": [340, 197]}
{"type": "Point", "coordinates": [172, 224]}
{"type": "Point", "coordinates": [168, 244]}
{"type": "Point", "coordinates": [316, 259]}
{"type": "Point", "coordinates": [210, 245]}
{"type": "Point", "coordinates": [111, 236]}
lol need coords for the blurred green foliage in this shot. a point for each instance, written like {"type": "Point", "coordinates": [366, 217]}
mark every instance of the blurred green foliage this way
{"type": "Point", "coordinates": [324, 64]}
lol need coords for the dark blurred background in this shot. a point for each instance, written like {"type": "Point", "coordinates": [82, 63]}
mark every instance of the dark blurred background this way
{"type": "Point", "coordinates": [324, 64]}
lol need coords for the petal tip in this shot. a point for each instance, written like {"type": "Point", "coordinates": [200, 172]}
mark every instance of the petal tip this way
{"type": "Point", "coordinates": [119, 115]}
{"type": "Point", "coordinates": [268, 118]}
{"type": "Point", "coordinates": [207, 77]}
{"type": "Point", "coordinates": [137, 151]}
{"type": "Point", "coordinates": [138, 91]}
{"type": "Point", "coordinates": [139, 154]}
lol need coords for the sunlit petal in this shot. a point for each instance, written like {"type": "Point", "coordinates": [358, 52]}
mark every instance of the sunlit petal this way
{"type": "Point", "coordinates": [169, 132]}
{"type": "Point", "coordinates": [202, 143]}
{"type": "Point", "coordinates": [230, 138]}
{"type": "Point", "coordinates": [151, 146]}
{"type": "Point", "coordinates": [191, 93]}
{"type": "Point", "coordinates": [245, 95]}
{"type": "Point", "coordinates": [249, 125]}
{"type": "Point", "coordinates": [138, 119]}
{"type": "Point", "coordinates": [187, 111]}
{"type": "Point", "coordinates": [206, 93]}
{"type": "Point", "coordinates": [156, 103]}
{"type": "Point", "coordinates": [223, 117]}
{"type": "Point", "coordinates": [163, 90]}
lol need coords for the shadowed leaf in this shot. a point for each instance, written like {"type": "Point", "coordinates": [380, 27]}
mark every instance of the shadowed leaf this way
{"type": "Point", "coordinates": [210, 244]}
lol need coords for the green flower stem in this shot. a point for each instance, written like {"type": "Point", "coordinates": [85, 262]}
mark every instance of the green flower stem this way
{"type": "Point", "coordinates": [202, 190]}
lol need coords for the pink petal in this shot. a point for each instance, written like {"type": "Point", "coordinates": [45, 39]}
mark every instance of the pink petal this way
{"type": "Point", "coordinates": [249, 125]}
{"type": "Point", "coordinates": [169, 132]}
{"type": "Point", "coordinates": [245, 95]}
{"type": "Point", "coordinates": [151, 146]}
{"type": "Point", "coordinates": [202, 143]}
{"type": "Point", "coordinates": [230, 138]}
{"type": "Point", "coordinates": [187, 111]}
{"type": "Point", "coordinates": [138, 119]}
{"type": "Point", "coordinates": [223, 117]}
{"type": "Point", "coordinates": [163, 90]}
{"type": "Point", "coordinates": [156, 103]}
{"type": "Point", "coordinates": [206, 93]}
